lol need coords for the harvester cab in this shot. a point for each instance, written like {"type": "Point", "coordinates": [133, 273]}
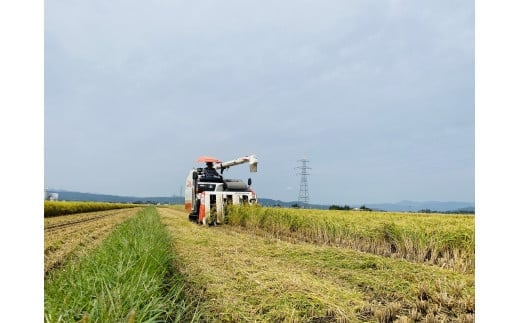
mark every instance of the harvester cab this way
{"type": "Point", "coordinates": [207, 192]}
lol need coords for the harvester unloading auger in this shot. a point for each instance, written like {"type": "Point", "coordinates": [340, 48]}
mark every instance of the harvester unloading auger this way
{"type": "Point", "coordinates": [207, 192]}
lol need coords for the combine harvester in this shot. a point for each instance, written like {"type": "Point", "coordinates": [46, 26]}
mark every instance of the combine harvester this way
{"type": "Point", "coordinates": [207, 192]}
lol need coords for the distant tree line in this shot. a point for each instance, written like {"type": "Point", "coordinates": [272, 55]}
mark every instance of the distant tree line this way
{"type": "Point", "coordinates": [146, 202]}
{"type": "Point", "coordinates": [364, 208]}
{"type": "Point", "coordinates": [460, 211]}
{"type": "Point", "coordinates": [337, 207]}
{"type": "Point", "coordinates": [346, 207]}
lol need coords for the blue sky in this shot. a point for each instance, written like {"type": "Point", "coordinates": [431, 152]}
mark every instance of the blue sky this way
{"type": "Point", "coordinates": [378, 95]}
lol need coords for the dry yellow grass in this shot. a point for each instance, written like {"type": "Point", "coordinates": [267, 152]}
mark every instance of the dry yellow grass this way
{"type": "Point", "coordinates": [240, 276]}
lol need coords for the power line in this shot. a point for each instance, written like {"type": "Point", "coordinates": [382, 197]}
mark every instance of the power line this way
{"type": "Point", "coordinates": [303, 195]}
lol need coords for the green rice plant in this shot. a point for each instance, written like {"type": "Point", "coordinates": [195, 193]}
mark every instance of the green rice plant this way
{"type": "Point", "coordinates": [129, 277]}
{"type": "Point", "coordinates": [57, 208]}
{"type": "Point", "coordinates": [440, 239]}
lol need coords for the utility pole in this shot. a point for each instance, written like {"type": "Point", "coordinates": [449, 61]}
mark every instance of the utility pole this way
{"type": "Point", "coordinates": [303, 195]}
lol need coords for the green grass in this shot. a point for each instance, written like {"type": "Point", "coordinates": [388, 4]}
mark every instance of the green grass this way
{"type": "Point", "coordinates": [444, 240]}
{"type": "Point", "coordinates": [128, 278]}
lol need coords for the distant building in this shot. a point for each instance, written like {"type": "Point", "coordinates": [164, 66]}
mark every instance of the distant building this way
{"type": "Point", "coordinates": [49, 196]}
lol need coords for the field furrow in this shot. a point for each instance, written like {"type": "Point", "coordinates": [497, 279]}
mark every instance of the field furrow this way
{"type": "Point", "coordinates": [73, 235]}
{"type": "Point", "coordinates": [128, 278]}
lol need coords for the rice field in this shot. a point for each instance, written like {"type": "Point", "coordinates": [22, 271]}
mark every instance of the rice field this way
{"type": "Point", "coordinates": [447, 241]}
{"type": "Point", "coordinates": [128, 278]}
{"type": "Point", "coordinates": [56, 208]}
{"type": "Point", "coordinates": [264, 265]}
{"type": "Point", "coordinates": [70, 236]}
{"type": "Point", "coordinates": [244, 275]}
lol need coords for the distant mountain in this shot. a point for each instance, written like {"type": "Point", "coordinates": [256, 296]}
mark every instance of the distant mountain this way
{"type": "Point", "coordinates": [414, 206]}
{"type": "Point", "coordinates": [402, 206]}
{"type": "Point", "coordinates": [271, 202]}
{"type": "Point", "coordinates": [79, 196]}
{"type": "Point", "coordinates": [94, 197]}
